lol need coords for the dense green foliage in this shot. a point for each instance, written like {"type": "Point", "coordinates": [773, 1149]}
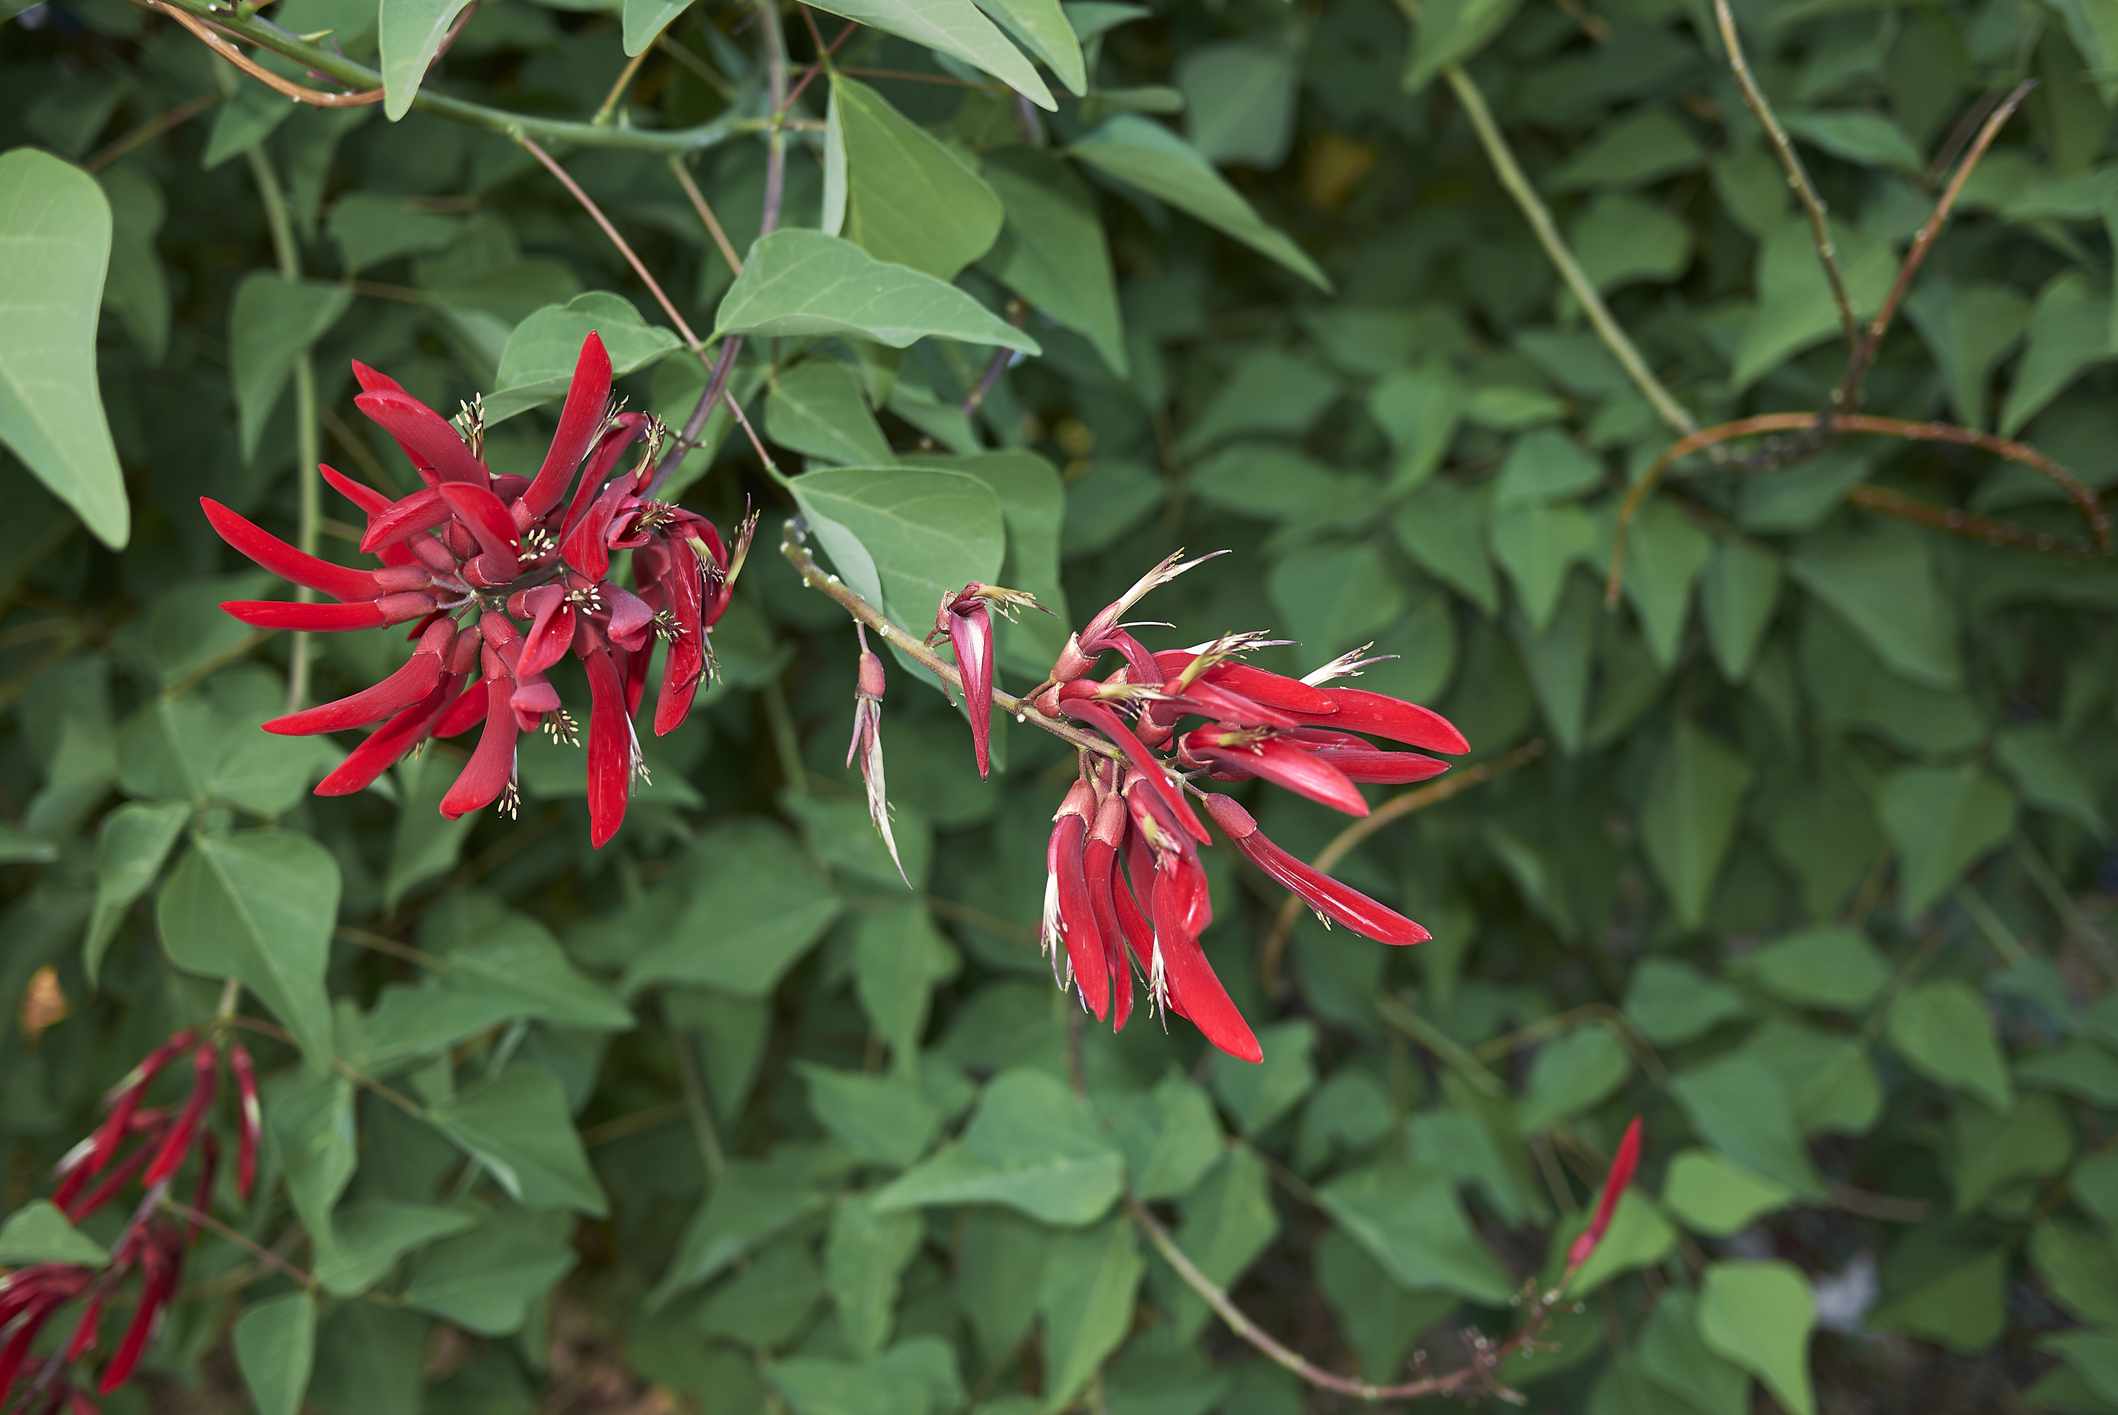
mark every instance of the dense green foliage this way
{"type": "Point", "coordinates": [1801, 851]}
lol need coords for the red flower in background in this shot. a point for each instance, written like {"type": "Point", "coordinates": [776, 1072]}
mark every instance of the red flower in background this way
{"type": "Point", "coordinates": [1125, 887]}
{"type": "Point", "coordinates": [501, 577]}
{"type": "Point", "coordinates": [153, 1241]}
{"type": "Point", "coordinates": [1614, 1185]}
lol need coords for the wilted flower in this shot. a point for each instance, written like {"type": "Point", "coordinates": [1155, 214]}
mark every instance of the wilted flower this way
{"type": "Point", "coordinates": [503, 576]}
{"type": "Point", "coordinates": [867, 746]}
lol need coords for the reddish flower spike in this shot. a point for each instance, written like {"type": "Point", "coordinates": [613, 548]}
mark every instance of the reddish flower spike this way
{"type": "Point", "coordinates": [1614, 1185]}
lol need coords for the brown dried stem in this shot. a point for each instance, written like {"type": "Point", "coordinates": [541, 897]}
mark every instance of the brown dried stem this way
{"type": "Point", "coordinates": [2083, 498]}
{"type": "Point", "coordinates": [1797, 176]}
{"type": "Point", "coordinates": [220, 44]}
{"type": "Point", "coordinates": [707, 219]}
{"type": "Point", "coordinates": [1396, 808]}
{"type": "Point", "coordinates": [1481, 1376]}
{"type": "Point", "coordinates": [148, 131]}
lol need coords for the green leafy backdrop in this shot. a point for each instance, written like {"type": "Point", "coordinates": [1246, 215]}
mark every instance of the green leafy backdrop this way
{"type": "Point", "coordinates": [1799, 848]}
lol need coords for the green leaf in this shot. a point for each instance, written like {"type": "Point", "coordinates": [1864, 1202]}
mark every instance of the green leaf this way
{"type": "Point", "coordinates": [1968, 328]}
{"type": "Point", "coordinates": [1572, 1073]}
{"type": "Point", "coordinates": [1643, 146]}
{"type": "Point", "coordinates": [1537, 545]}
{"type": "Point", "coordinates": [750, 1203]}
{"type": "Point", "coordinates": [1256, 1096]}
{"type": "Point", "coordinates": [2079, 1268]}
{"type": "Point", "coordinates": [1942, 819]}
{"type": "Point", "coordinates": [1052, 250]}
{"type": "Point", "coordinates": [1743, 1110]}
{"type": "Point", "coordinates": [258, 906]}
{"type": "Point", "coordinates": [1936, 1290]}
{"type": "Point", "coordinates": [486, 1280]}
{"type": "Point", "coordinates": [879, 1119]}
{"type": "Point", "coordinates": [2091, 1354]}
{"type": "Point", "coordinates": [1169, 1134]}
{"type": "Point", "coordinates": [1032, 1145]}
{"type": "Point", "coordinates": [1716, 1196]}
{"type": "Point", "coordinates": [1833, 967]}
{"type": "Point", "coordinates": [1867, 138]}
{"type": "Point", "coordinates": [1666, 553]}
{"type": "Point", "coordinates": [2046, 770]}
{"type": "Point", "coordinates": [273, 323]}
{"type": "Point", "coordinates": [275, 1345]}
{"type": "Point", "coordinates": [1228, 1222]}
{"type": "Point", "coordinates": [1032, 502]}
{"type": "Point", "coordinates": [732, 934]}
{"type": "Point", "coordinates": [1410, 1221]}
{"type": "Point", "coordinates": [55, 222]}
{"type": "Point", "coordinates": [1418, 409]}
{"type": "Point", "coordinates": [1544, 466]}
{"type": "Point", "coordinates": [1672, 1002]}
{"type": "Point", "coordinates": [898, 176]}
{"type": "Point", "coordinates": [2070, 331]}
{"type": "Point", "coordinates": [518, 1127]}
{"type": "Point", "coordinates": [1945, 1031]}
{"type": "Point", "coordinates": [1795, 308]}
{"type": "Point", "coordinates": [309, 1114]}
{"type": "Point", "coordinates": [537, 365]}
{"type": "Point", "coordinates": [898, 957]}
{"type": "Point", "coordinates": [1043, 28]}
{"type": "Point", "coordinates": [1691, 813]}
{"type": "Point", "coordinates": [1443, 527]}
{"type": "Point", "coordinates": [955, 28]}
{"type": "Point", "coordinates": [1620, 239]}
{"type": "Point", "coordinates": [1267, 390]}
{"type": "Point", "coordinates": [1639, 1237]}
{"type": "Point", "coordinates": [1451, 32]}
{"type": "Point", "coordinates": [865, 1255]}
{"type": "Point", "coordinates": [409, 33]}
{"type": "Point", "coordinates": [371, 228]}
{"type": "Point", "coordinates": [39, 1232]}
{"type": "Point", "coordinates": [1739, 591]}
{"type": "Point", "coordinates": [905, 535]}
{"type": "Point", "coordinates": [1091, 1282]}
{"type": "Point", "coordinates": [816, 409]}
{"type": "Point", "coordinates": [137, 290]}
{"type": "Point", "coordinates": [131, 845]}
{"type": "Point", "coordinates": [1148, 156]}
{"type": "Point", "coordinates": [367, 1238]}
{"type": "Point", "coordinates": [1886, 587]}
{"type": "Point", "coordinates": [805, 282]}
{"type": "Point", "coordinates": [1239, 101]}
{"type": "Point", "coordinates": [644, 20]}
{"type": "Point", "coordinates": [1760, 1315]}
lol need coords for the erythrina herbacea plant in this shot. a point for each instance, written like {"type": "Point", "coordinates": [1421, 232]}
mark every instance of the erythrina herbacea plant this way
{"type": "Point", "coordinates": [1125, 887]}
{"type": "Point", "coordinates": [500, 578]}
{"type": "Point", "coordinates": [157, 1142]}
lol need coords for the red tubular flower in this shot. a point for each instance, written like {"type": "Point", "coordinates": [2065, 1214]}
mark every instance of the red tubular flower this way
{"type": "Point", "coordinates": [469, 542]}
{"type": "Point", "coordinates": [1180, 913]}
{"type": "Point", "coordinates": [1614, 1184]}
{"type": "Point", "coordinates": [1331, 900]}
{"type": "Point", "coordinates": [1150, 768]}
{"type": "Point", "coordinates": [1099, 870]}
{"type": "Point", "coordinates": [1262, 753]}
{"type": "Point", "coordinates": [968, 625]}
{"type": "Point", "coordinates": [1067, 881]}
{"type": "Point", "coordinates": [206, 1069]}
{"type": "Point", "coordinates": [161, 1261]}
{"type": "Point", "coordinates": [1394, 719]}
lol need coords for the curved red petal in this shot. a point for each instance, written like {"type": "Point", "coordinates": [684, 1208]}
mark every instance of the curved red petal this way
{"type": "Point", "coordinates": [413, 680]}
{"type": "Point", "coordinates": [404, 518]}
{"type": "Point", "coordinates": [492, 763]}
{"type": "Point", "coordinates": [426, 436]}
{"type": "Point", "coordinates": [1332, 898]}
{"type": "Point", "coordinates": [1192, 982]}
{"type": "Point", "coordinates": [315, 618]}
{"type": "Point", "coordinates": [1084, 942]}
{"type": "Point", "coordinates": [609, 749]}
{"type": "Point", "coordinates": [1145, 762]}
{"type": "Point", "coordinates": [382, 748]}
{"type": "Point", "coordinates": [587, 398]}
{"type": "Point", "coordinates": [1396, 720]}
{"type": "Point", "coordinates": [288, 562]}
{"type": "Point", "coordinates": [487, 518]}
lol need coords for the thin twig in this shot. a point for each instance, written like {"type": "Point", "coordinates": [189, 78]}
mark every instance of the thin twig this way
{"type": "Point", "coordinates": [1342, 844]}
{"type": "Point", "coordinates": [610, 232]}
{"type": "Point", "coordinates": [832, 588]}
{"type": "Point", "coordinates": [1480, 1376]}
{"type": "Point", "coordinates": [2083, 498]}
{"type": "Point", "coordinates": [608, 109]}
{"type": "Point", "coordinates": [708, 1139]}
{"type": "Point", "coordinates": [1534, 211]}
{"type": "Point", "coordinates": [148, 131]}
{"type": "Point", "coordinates": [775, 41]}
{"type": "Point", "coordinates": [1847, 397]}
{"type": "Point", "coordinates": [707, 219]}
{"type": "Point", "coordinates": [219, 43]}
{"type": "Point", "coordinates": [257, 30]}
{"type": "Point", "coordinates": [1797, 176]}
{"type": "Point", "coordinates": [820, 64]}
{"type": "Point", "coordinates": [241, 1240]}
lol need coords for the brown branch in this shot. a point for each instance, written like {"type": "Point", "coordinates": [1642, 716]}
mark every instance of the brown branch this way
{"type": "Point", "coordinates": [1342, 844]}
{"type": "Point", "coordinates": [2083, 498]}
{"type": "Point", "coordinates": [817, 65]}
{"type": "Point", "coordinates": [610, 232]}
{"type": "Point", "coordinates": [148, 131]}
{"type": "Point", "coordinates": [1797, 175]}
{"type": "Point", "coordinates": [1479, 1377]}
{"type": "Point", "coordinates": [836, 590]}
{"type": "Point", "coordinates": [707, 219]}
{"type": "Point", "coordinates": [220, 44]}
{"type": "Point", "coordinates": [1847, 397]}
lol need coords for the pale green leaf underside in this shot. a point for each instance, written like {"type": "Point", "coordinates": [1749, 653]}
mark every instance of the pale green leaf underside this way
{"type": "Point", "coordinates": [807, 283]}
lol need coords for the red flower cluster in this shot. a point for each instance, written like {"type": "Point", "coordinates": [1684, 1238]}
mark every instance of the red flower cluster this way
{"type": "Point", "coordinates": [152, 1242]}
{"type": "Point", "coordinates": [1125, 888]}
{"type": "Point", "coordinates": [501, 577]}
